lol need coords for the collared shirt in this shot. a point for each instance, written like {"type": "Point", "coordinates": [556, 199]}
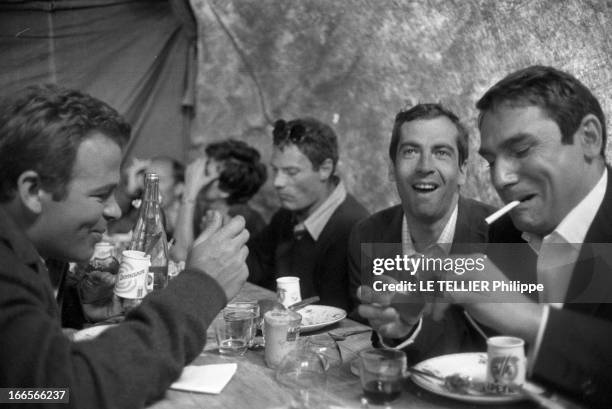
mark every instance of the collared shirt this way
{"type": "Point", "coordinates": [554, 269]}
{"type": "Point", "coordinates": [315, 223]}
{"type": "Point", "coordinates": [444, 243]}
{"type": "Point", "coordinates": [558, 251]}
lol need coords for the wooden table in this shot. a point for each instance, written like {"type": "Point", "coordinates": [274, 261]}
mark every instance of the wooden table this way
{"type": "Point", "coordinates": [254, 386]}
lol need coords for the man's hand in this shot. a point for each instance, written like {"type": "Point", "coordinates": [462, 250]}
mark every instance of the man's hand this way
{"type": "Point", "coordinates": [507, 312]}
{"type": "Point", "coordinates": [96, 287]}
{"type": "Point", "coordinates": [97, 298]}
{"type": "Point", "coordinates": [392, 314]}
{"type": "Point", "coordinates": [197, 176]}
{"type": "Point", "coordinates": [221, 251]}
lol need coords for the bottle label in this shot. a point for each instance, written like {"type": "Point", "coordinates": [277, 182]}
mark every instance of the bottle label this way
{"type": "Point", "coordinates": [132, 278]}
{"type": "Point", "coordinates": [103, 250]}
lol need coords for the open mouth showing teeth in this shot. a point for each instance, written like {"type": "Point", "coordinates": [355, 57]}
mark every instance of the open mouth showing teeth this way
{"type": "Point", "coordinates": [424, 187]}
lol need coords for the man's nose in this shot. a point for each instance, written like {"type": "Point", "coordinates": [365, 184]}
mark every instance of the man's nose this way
{"type": "Point", "coordinates": [280, 180]}
{"type": "Point", "coordinates": [112, 210]}
{"type": "Point", "coordinates": [425, 163]}
{"type": "Point", "coordinates": [503, 173]}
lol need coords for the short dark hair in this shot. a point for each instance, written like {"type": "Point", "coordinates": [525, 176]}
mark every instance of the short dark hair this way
{"type": "Point", "coordinates": [41, 129]}
{"type": "Point", "coordinates": [560, 95]}
{"type": "Point", "coordinates": [429, 111]}
{"type": "Point", "coordinates": [243, 173]}
{"type": "Point", "coordinates": [312, 137]}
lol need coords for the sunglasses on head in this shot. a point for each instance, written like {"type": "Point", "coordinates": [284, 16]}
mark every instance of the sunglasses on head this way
{"type": "Point", "coordinates": [282, 132]}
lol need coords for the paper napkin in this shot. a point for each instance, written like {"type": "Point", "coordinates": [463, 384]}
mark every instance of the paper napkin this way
{"type": "Point", "coordinates": [205, 378]}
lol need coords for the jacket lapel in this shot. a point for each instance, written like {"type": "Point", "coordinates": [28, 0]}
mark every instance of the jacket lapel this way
{"type": "Point", "coordinates": [592, 275]}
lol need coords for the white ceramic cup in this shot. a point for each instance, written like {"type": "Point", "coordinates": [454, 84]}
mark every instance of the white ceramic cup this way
{"type": "Point", "coordinates": [506, 363]}
{"type": "Point", "coordinates": [288, 290]}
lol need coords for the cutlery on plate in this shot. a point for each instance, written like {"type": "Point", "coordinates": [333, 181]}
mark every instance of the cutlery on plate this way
{"type": "Point", "coordinates": [303, 303]}
{"type": "Point", "coordinates": [344, 335]}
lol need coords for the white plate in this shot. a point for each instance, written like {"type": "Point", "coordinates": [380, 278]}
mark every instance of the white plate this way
{"type": "Point", "coordinates": [315, 317]}
{"type": "Point", "coordinates": [473, 364]}
{"type": "Point", "coordinates": [91, 332]}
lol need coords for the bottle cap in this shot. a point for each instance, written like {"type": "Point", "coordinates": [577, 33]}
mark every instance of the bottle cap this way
{"type": "Point", "coordinates": [151, 176]}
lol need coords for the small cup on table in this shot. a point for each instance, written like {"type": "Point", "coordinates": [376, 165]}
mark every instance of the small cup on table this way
{"type": "Point", "coordinates": [382, 372]}
{"type": "Point", "coordinates": [251, 306]}
{"type": "Point", "coordinates": [506, 364]}
{"type": "Point", "coordinates": [288, 290]}
{"type": "Point", "coordinates": [234, 330]}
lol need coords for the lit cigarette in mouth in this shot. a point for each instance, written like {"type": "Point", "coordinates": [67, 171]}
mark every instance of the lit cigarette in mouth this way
{"type": "Point", "coordinates": [502, 211]}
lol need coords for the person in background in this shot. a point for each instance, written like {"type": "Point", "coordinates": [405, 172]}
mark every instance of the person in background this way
{"type": "Point", "coordinates": [429, 152]}
{"type": "Point", "coordinates": [171, 184]}
{"type": "Point", "coordinates": [308, 237]}
{"type": "Point", "coordinates": [60, 153]}
{"type": "Point", "coordinates": [78, 312]}
{"type": "Point", "coordinates": [224, 179]}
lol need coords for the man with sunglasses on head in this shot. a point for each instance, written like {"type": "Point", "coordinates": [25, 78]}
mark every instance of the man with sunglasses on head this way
{"type": "Point", "coordinates": [428, 152]}
{"type": "Point", "coordinates": [308, 237]}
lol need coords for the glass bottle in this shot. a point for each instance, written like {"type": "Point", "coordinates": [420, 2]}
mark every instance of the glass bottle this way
{"type": "Point", "coordinates": [149, 235]}
{"type": "Point", "coordinates": [98, 282]}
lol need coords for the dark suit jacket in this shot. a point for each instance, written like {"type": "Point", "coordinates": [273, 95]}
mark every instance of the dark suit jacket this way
{"type": "Point", "coordinates": [576, 350]}
{"type": "Point", "coordinates": [453, 333]}
{"type": "Point", "coordinates": [126, 367]}
{"type": "Point", "coordinates": [320, 265]}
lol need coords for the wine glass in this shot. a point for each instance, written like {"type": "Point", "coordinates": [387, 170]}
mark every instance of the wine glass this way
{"type": "Point", "coordinates": [327, 348]}
{"type": "Point", "coordinates": [303, 372]}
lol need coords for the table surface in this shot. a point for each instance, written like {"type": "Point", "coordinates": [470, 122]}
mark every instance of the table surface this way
{"type": "Point", "coordinates": [253, 386]}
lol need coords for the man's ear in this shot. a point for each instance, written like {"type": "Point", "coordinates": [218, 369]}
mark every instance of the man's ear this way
{"type": "Point", "coordinates": [590, 136]}
{"type": "Point", "coordinates": [462, 173]}
{"type": "Point", "coordinates": [29, 190]}
{"type": "Point", "coordinates": [325, 169]}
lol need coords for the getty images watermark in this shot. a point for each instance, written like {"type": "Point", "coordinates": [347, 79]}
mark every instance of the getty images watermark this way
{"type": "Point", "coordinates": [435, 274]}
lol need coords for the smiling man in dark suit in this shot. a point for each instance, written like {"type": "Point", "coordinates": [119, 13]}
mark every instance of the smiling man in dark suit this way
{"type": "Point", "coordinates": [544, 135]}
{"type": "Point", "coordinates": [428, 151]}
{"type": "Point", "coordinates": [60, 152]}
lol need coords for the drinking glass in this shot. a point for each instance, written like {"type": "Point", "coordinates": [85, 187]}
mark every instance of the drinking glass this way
{"type": "Point", "coordinates": [234, 330]}
{"type": "Point", "coordinates": [327, 348]}
{"type": "Point", "coordinates": [302, 371]}
{"type": "Point", "coordinates": [281, 332]}
{"type": "Point", "coordinates": [381, 373]}
{"type": "Point", "coordinates": [252, 307]}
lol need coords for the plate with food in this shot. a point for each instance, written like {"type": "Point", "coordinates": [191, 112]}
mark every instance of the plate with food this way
{"type": "Point", "coordinates": [463, 377]}
{"type": "Point", "coordinates": [315, 317]}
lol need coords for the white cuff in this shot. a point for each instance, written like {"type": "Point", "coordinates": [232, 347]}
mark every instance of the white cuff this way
{"type": "Point", "coordinates": [408, 341]}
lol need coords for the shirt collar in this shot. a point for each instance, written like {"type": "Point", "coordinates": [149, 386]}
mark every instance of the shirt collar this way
{"type": "Point", "coordinates": [574, 226]}
{"type": "Point", "coordinates": [315, 223]}
{"type": "Point", "coordinates": [444, 241]}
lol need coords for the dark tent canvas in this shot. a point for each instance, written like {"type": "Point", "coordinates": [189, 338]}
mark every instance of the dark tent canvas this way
{"type": "Point", "coordinates": [138, 56]}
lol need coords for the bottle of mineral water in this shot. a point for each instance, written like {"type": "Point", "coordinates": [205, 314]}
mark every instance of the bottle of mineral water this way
{"type": "Point", "coordinates": [149, 235]}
